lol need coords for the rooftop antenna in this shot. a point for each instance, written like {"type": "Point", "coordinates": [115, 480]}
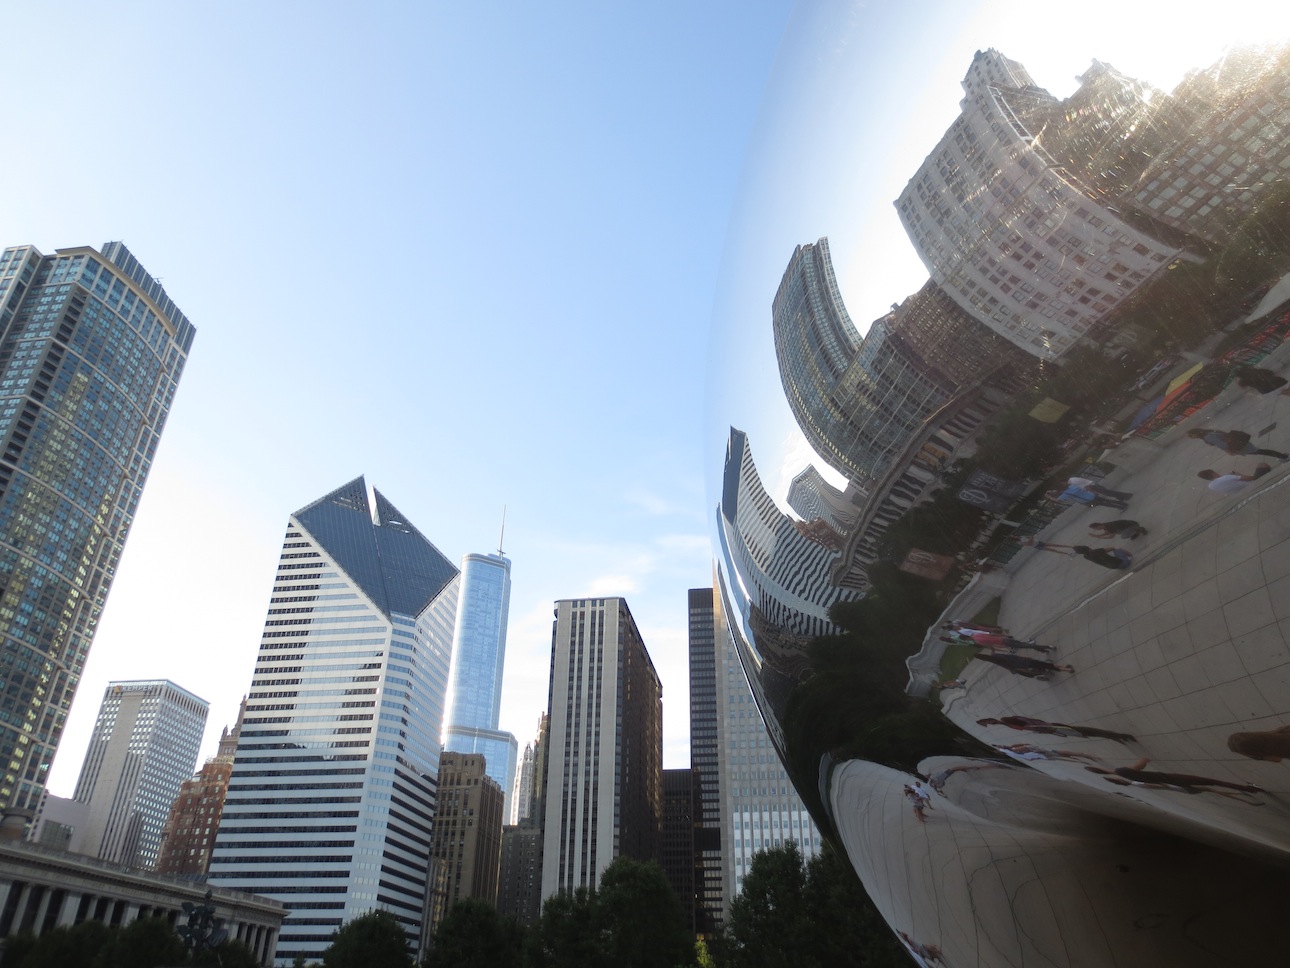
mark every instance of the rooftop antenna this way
{"type": "Point", "coordinates": [501, 537]}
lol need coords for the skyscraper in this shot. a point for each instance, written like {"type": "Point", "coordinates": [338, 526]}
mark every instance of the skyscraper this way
{"type": "Point", "coordinates": [467, 834]}
{"type": "Point", "coordinates": [676, 841]}
{"type": "Point", "coordinates": [705, 763]}
{"type": "Point", "coordinates": [189, 833]}
{"type": "Point", "coordinates": [759, 806]}
{"type": "Point", "coordinates": [524, 784]}
{"type": "Point", "coordinates": [91, 349]}
{"type": "Point", "coordinates": [332, 794]}
{"type": "Point", "coordinates": [519, 893]}
{"type": "Point", "coordinates": [144, 746]}
{"type": "Point", "coordinates": [604, 769]}
{"type": "Point", "coordinates": [478, 658]}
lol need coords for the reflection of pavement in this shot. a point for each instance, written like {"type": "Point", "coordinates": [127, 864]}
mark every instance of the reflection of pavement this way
{"type": "Point", "coordinates": [1024, 877]}
{"type": "Point", "coordinates": [1185, 648]}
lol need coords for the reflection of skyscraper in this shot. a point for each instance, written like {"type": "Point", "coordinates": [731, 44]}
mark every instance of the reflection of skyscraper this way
{"type": "Point", "coordinates": [478, 657]}
{"type": "Point", "coordinates": [785, 570]}
{"type": "Point", "coordinates": [91, 349]}
{"type": "Point", "coordinates": [815, 499]}
{"type": "Point", "coordinates": [333, 788]}
{"type": "Point", "coordinates": [1012, 234]}
{"type": "Point", "coordinates": [1235, 148]}
{"type": "Point", "coordinates": [858, 401]}
{"type": "Point", "coordinates": [144, 746]}
{"type": "Point", "coordinates": [603, 786]}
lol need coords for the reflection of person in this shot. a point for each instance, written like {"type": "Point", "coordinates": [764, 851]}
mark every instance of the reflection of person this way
{"type": "Point", "coordinates": [918, 799]}
{"type": "Point", "coordinates": [927, 952]}
{"type": "Point", "coordinates": [974, 627]}
{"type": "Point", "coordinates": [1091, 485]}
{"type": "Point", "coordinates": [995, 643]}
{"type": "Point", "coordinates": [1025, 751]}
{"type": "Point", "coordinates": [1232, 482]}
{"type": "Point", "coordinates": [1031, 725]}
{"type": "Point", "coordinates": [1258, 378]}
{"type": "Point", "coordinates": [1021, 665]}
{"type": "Point", "coordinates": [1121, 528]}
{"type": "Point", "coordinates": [1234, 442]}
{"type": "Point", "coordinates": [1106, 557]}
{"type": "Point", "coordinates": [1271, 745]}
{"type": "Point", "coordinates": [1080, 495]}
{"type": "Point", "coordinates": [1137, 773]}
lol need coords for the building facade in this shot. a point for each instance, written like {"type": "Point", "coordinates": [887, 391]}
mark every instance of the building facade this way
{"type": "Point", "coordinates": [759, 807]}
{"type": "Point", "coordinates": [332, 793]}
{"type": "Point", "coordinates": [604, 771]}
{"type": "Point", "coordinates": [858, 400]}
{"type": "Point", "coordinates": [1237, 119]}
{"type": "Point", "coordinates": [787, 566]}
{"type": "Point", "coordinates": [519, 893]}
{"type": "Point", "coordinates": [144, 745]}
{"type": "Point", "coordinates": [467, 832]}
{"type": "Point", "coordinates": [189, 833]}
{"type": "Point", "coordinates": [676, 845]}
{"type": "Point", "coordinates": [705, 764]}
{"type": "Point", "coordinates": [478, 659]}
{"type": "Point", "coordinates": [1011, 232]}
{"type": "Point", "coordinates": [91, 350]}
{"type": "Point", "coordinates": [43, 889]}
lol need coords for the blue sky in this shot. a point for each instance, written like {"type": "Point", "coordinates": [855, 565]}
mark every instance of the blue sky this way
{"type": "Point", "coordinates": [471, 251]}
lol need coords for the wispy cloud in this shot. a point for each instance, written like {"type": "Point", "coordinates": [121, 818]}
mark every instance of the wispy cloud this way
{"type": "Point", "coordinates": [611, 586]}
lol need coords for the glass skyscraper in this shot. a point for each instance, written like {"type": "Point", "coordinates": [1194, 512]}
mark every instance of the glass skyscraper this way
{"type": "Point", "coordinates": [335, 776]}
{"type": "Point", "coordinates": [91, 349]}
{"type": "Point", "coordinates": [478, 657]}
{"type": "Point", "coordinates": [144, 747]}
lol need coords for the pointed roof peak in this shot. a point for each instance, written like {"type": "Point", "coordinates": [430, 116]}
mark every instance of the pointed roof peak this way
{"type": "Point", "coordinates": [351, 495]}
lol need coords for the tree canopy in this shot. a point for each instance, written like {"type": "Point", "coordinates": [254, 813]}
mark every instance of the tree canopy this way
{"type": "Point", "coordinates": [799, 914]}
{"type": "Point", "coordinates": [372, 940]}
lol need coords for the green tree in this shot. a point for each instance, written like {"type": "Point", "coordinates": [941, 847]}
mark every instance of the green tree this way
{"type": "Point", "coordinates": [145, 943]}
{"type": "Point", "coordinates": [807, 915]}
{"type": "Point", "coordinates": [474, 935]}
{"type": "Point", "coordinates": [568, 934]}
{"type": "Point", "coordinates": [371, 940]}
{"type": "Point", "coordinates": [66, 947]}
{"type": "Point", "coordinates": [770, 920]}
{"type": "Point", "coordinates": [641, 917]}
{"type": "Point", "coordinates": [850, 931]}
{"type": "Point", "coordinates": [230, 954]}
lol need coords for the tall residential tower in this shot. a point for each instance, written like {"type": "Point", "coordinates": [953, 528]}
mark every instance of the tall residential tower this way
{"type": "Point", "coordinates": [334, 780]}
{"type": "Point", "coordinates": [91, 349]}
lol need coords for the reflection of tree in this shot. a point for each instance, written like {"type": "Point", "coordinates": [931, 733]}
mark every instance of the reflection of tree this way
{"type": "Point", "coordinates": [853, 704]}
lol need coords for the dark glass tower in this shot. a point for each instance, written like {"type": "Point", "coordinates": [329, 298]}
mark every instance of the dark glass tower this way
{"type": "Point", "coordinates": [705, 764]}
{"type": "Point", "coordinates": [91, 349]}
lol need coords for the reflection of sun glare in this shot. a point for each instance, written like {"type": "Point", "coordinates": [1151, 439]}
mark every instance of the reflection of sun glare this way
{"type": "Point", "coordinates": [866, 148]}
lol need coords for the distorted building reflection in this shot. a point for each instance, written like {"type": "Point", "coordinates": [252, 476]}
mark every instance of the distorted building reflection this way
{"type": "Point", "coordinates": [1086, 801]}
